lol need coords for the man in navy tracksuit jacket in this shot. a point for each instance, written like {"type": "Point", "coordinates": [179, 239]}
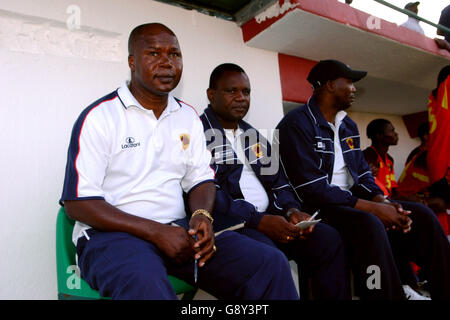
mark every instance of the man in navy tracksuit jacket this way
{"type": "Point", "coordinates": [249, 190]}
{"type": "Point", "coordinates": [320, 151]}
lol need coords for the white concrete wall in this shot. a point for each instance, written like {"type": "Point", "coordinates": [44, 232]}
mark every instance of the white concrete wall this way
{"type": "Point", "coordinates": [49, 74]}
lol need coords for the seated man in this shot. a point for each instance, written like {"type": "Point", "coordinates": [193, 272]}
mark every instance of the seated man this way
{"type": "Point", "coordinates": [320, 150]}
{"type": "Point", "coordinates": [383, 135]}
{"type": "Point", "coordinates": [414, 183]}
{"type": "Point", "coordinates": [423, 134]}
{"type": "Point", "coordinates": [124, 184]}
{"type": "Point", "coordinates": [251, 190]}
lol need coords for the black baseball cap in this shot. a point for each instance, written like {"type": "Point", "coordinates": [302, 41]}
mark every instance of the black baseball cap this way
{"type": "Point", "coordinates": [328, 70]}
{"type": "Point", "coordinates": [412, 4]}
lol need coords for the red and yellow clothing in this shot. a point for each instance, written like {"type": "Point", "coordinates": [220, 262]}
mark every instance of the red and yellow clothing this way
{"type": "Point", "coordinates": [385, 178]}
{"type": "Point", "coordinates": [382, 187]}
{"type": "Point", "coordinates": [415, 181]}
{"type": "Point", "coordinates": [415, 178]}
{"type": "Point", "coordinates": [438, 158]}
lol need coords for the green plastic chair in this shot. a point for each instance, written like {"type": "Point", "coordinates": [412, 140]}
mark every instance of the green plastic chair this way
{"type": "Point", "coordinates": [70, 285]}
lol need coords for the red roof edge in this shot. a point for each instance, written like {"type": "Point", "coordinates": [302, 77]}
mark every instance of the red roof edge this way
{"type": "Point", "coordinates": [345, 14]}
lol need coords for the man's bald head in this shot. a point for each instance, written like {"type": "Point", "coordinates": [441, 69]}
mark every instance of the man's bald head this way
{"type": "Point", "coordinates": [155, 60]}
{"type": "Point", "coordinates": [146, 29]}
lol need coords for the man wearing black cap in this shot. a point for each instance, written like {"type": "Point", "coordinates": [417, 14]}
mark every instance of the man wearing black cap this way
{"type": "Point", "coordinates": [412, 23]}
{"type": "Point", "coordinates": [320, 152]}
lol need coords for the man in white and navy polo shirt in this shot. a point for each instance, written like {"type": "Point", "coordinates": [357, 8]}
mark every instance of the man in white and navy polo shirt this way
{"type": "Point", "coordinates": [132, 156]}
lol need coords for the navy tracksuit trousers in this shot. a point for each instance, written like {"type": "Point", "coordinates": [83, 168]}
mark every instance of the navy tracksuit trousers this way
{"type": "Point", "coordinates": [320, 257]}
{"type": "Point", "coordinates": [122, 266]}
{"type": "Point", "coordinates": [369, 244]}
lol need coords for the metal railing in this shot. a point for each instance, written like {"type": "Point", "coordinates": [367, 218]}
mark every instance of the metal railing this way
{"type": "Point", "coordinates": [413, 15]}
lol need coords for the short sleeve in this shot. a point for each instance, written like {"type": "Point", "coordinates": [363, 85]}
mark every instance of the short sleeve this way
{"type": "Point", "coordinates": [198, 167]}
{"type": "Point", "coordinates": [87, 160]}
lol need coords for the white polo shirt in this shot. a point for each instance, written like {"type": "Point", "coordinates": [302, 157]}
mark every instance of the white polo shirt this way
{"type": "Point", "coordinates": [121, 153]}
{"type": "Point", "coordinates": [341, 176]}
{"type": "Point", "coordinates": [251, 188]}
{"type": "Point", "coordinates": [413, 24]}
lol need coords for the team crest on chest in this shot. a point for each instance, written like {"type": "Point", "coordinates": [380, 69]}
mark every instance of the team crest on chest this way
{"type": "Point", "coordinates": [350, 143]}
{"type": "Point", "coordinates": [256, 148]}
{"type": "Point", "coordinates": [185, 140]}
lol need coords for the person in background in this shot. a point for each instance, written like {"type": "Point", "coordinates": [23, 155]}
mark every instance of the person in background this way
{"type": "Point", "coordinates": [445, 21]}
{"type": "Point", "coordinates": [320, 152]}
{"type": "Point", "coordinates": [383, 135]}
{"type": "Point", "coordinates": [412, 23]}
{"type": "Point", "coordinates": [438, 156]}
{"type": "Point", "coordinates": [414, 179]}
{"type": "Point", "coordinates": [414, 182]}
{"type": "Point", "coordinates": [422, 133]}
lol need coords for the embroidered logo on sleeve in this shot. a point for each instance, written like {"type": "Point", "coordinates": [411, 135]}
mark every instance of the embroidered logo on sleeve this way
{"type": "Point", "coordinates": [350, 143]}
{"type": "Point", "coordinates": [185, 140]}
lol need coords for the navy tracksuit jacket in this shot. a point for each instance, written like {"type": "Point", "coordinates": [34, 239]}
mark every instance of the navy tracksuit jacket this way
{"type": "Point", "coordinates": [229, 198]}
{"type": "Point", "coordinates": [311, 176]}
{"type": "Point", "coordinates": [306, 143]}
{"type": "Point", "coordinates": [320, 256]}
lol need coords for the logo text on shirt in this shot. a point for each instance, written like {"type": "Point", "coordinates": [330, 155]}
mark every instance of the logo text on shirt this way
{"type": "Point", "coordinates": [130, 143]}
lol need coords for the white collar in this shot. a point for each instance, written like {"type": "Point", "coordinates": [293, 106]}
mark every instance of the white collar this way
{"type": "Point", "coordinates": [340, 116]}
{"type": "Point", "coordinates": [236, 133]}
{"type": "Point", "coordinates": [128, 100]}
{"type": "Point", "coordinates": [412, 20]}
{"type": "Point", "coordinates": [338, 119]}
